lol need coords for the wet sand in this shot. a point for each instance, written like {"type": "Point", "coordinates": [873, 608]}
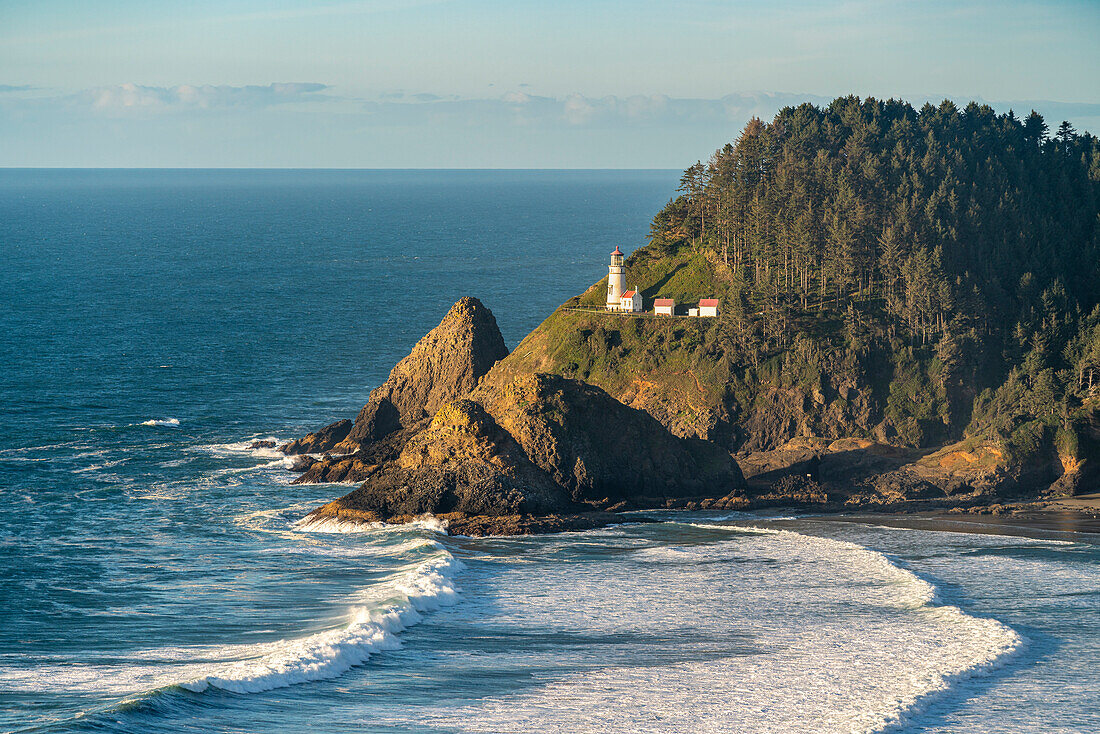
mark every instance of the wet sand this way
{"type": "Point", "coordinates": [1076, 518]}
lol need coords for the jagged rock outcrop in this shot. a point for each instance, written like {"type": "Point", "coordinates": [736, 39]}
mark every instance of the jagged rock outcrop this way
{"type": "Point", "coordinates": [302, 462]}
{"type": "Point", "coordinates": [462, 462]}
{"type": "Point", "coordinates": [596, 448]}
{"type": "Point", "coordinates": [537, 445]}
{"type": "Point", "coordinates": [319, 441]}
{"type": "Point", "coordinates": [356, 467]}
{"type": "Point", "coordinates": [446, 364]}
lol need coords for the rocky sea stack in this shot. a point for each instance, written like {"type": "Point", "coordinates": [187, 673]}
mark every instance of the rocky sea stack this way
{"type": "Point", "coordinates": [444, 365]}
{"type": "Point", "coordinates": [503, 453]}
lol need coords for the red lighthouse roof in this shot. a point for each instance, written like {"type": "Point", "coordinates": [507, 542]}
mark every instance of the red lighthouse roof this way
{"type": "Point", "coordinates": [616, 251]}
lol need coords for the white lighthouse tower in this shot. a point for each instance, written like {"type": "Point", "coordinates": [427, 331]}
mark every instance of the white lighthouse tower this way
{"type": "Point", "coordinates": [616, 280]}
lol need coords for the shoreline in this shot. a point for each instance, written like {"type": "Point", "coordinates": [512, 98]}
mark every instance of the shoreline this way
{"type": "Point", "coordinates": [1076, 518]}
{"type": "Point", "coordinates": [1056, 519]}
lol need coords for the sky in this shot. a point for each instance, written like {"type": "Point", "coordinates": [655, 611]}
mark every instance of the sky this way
{"type": "Point", "coordinates": [501, 84]}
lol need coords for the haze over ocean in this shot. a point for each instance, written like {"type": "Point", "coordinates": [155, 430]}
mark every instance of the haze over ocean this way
{"type": "Point", "coordinates": [153, 577]}
{"type": "Point", "coordinates": [488, 84]}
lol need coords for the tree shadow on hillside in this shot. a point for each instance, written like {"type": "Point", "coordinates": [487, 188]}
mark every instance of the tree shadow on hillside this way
{"type": "Point", "coordinates": [655, 290]}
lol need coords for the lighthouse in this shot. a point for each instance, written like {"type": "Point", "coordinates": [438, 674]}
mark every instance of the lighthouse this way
{"type": "Point", "coordinates": [616, 280]}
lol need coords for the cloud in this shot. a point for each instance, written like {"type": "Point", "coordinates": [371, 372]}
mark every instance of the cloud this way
{"type": "Point", "coordinates": [580, 111]}
{"type": "Point", "coordinates": [135, 97]}
{"type": "Point", "coordinates": [1050, 109]}
{"type": "Point", "coordinates": [312, 124]}
{"type": "Point", "coordinates": [427, 109]}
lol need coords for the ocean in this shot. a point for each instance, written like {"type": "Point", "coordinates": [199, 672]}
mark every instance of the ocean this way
{"type": "Point", "coordinates": [155, 575]}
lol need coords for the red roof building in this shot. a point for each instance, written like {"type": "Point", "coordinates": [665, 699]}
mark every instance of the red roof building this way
{"type": "Point", "coordinates": [708, 307]}
{"type": "Point", "coordinates": [664, 302]}
{"type": "Point", "coordinates": [631, 301]}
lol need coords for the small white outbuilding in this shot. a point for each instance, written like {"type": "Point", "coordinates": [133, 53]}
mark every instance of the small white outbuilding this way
{"type": "Point", "coordinates": [631, 301]}
{"type": "Point", "coordinates": [666, 306]}
{"type": "Point", "coordinates": [708, 307]}
{"type": "Point", "coordinates": [693, 312]}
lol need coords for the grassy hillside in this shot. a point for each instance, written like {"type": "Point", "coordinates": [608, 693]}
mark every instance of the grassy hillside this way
{"type": "Point", "coordinates": [710, 377]}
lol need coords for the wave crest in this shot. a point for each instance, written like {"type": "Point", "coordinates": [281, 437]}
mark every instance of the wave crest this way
{"type": "Point", "coordinates": [329, 654]}
{"type": "Point", "coordinates": [161, 422]}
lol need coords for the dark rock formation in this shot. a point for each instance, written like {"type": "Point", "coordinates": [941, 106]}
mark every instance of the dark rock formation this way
{"type": "Point", "coordinates": [596, 448]}
{"type": "Point", "coordinates": [356, 467]}
{"type": "Point", "coordinates": [462, 462]}
{"type": "Point", "coordinates": [904, 484]}
{"type": "Point", "coordinates": [320, 441]}
{"type": "Point", "coordinates": [794, 489]}
{"type": "Point", "coordinates": [446, 364]}
{"type": "Point", "coordinates": [537, 445]}
{"type": "Point", "coordinates": [302, 462]}
{"type": "Point", "coordinates": [262, 445]}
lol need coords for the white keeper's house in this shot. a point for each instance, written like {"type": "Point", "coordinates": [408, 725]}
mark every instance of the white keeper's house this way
{"type": "Point", "coordinates": [708, 307]}
{"type": "Point", "coordinates": [666, 306]}
{"type": "Point", "coordinates": [631, 301]}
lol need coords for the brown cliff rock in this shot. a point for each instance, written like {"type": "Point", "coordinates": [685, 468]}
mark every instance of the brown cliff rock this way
{"type": "Point", "coordinates": [446, 364]}
{"type": "Point", "coordinates": [532, 446]}
{"type": "Point", "coordinates": [595, 447]}
{"type": "Point", "coordinates": [462, 462]}
{"type": "Point", "coordinates": [319, 441]}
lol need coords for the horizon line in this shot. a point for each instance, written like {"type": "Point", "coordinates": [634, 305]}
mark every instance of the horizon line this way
{"type": "Point", "coordinates": [307, 168]}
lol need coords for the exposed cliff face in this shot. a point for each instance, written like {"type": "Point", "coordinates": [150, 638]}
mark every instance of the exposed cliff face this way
{"type": "Point", "coordinates": [463, 461]}
{"type": "Point", "coordinates": [596, 447]}
{"type": "Point", "coordinates": [538, 445]}
{"type": "Point", "coordinates": [355, 467]}
{"type": "Point", "coordinates": [446, 364]}
{"type": "Point", "coordinates": [318, 442]}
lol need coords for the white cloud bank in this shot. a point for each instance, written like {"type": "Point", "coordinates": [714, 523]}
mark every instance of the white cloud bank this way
{"type": "Point", "coordinates": [125, 97]}
{"type": "Point", "coordinates": [313, 125]}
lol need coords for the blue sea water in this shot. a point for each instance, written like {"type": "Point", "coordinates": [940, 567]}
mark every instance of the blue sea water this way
{"type": "Point", "coordinates": [155, 577]}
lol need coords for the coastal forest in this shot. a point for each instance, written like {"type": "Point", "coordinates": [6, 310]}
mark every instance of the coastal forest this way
{"type": "Point", "coordinates": [917, 276]}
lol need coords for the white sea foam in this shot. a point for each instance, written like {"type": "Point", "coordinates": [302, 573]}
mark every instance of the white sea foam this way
{"type": "Point", "coordinates": [244, 448]}
{"type": "Point", "coordinates": [310, 524]}
{"type": "Point", "coordinates": [835, 637]}
{"type": "Point", "coordinates": [161, 422]}
{"type": "Point", "coordinates": [325, 655]}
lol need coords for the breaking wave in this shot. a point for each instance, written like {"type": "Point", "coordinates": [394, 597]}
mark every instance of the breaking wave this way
{"type": "Point", "coordinates": [161, 422]}
{"type": "Point", "coordinates": [370, 628]}
{"type": "Point", "coordinates": [310, 524]}
{"type": "Point", "coordinates": [378, 614]}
